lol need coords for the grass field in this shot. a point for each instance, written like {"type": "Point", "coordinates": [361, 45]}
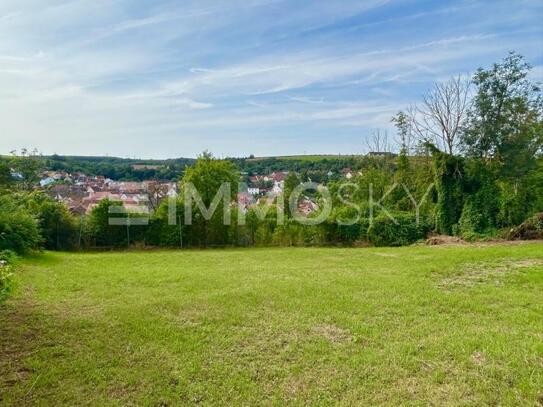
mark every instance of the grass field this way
{"type": "Point", "coordinates": [307, 157]}
{"type": "Point", "coordinates": [418, 325]}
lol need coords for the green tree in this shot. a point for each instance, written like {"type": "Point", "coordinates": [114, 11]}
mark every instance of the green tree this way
{"type": "Point", "coordinates": [164, 231]}
{"type": "Point", "coordinates": [206, 180]}
{"type": "Point", "coordinates": [57, 225]}
{"type": "Point", "coordinates": [208, 175]}
{"type": "Point", "coordinates": [505, 120]}
{"type": "Point", "coordinates": [291, 182]}
{"type": "Point", "coordinates": [28, 166]}
{"type": "Point", "coordinates": [449, 183]}
{"type": "Point", "coordinates": [100, 231]}
{"type": "Point", "coordinates": [19, 230]}
{"type": "Point", "coordinates": [6, 179]}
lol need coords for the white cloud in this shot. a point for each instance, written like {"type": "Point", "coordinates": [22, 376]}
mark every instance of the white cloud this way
{"type": "Point", "coordinates": [96, 70]}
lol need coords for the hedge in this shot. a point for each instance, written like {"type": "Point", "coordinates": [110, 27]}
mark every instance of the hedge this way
{"type": "Point", "coordinates": [400, 230]}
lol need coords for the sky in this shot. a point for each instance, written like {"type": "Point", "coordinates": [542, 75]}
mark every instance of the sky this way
{"type": "Point", "coordinates": [165, 79]}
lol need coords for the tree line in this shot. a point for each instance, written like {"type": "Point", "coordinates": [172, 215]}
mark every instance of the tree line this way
{"type": "Point", "coordinates": [469, 165]}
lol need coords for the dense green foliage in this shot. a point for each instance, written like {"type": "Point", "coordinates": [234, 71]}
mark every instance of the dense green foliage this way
{"type": "Point", "coordinates": [57, 226]}
{"type": "Point", "coordinates": [119, 168]}
{"type": "Point", "coordinates": [19, 228]}
{"type": "Point", "coordinates": [7, 260]}
{"type": "Point", "coordinates": [209, 185]}
{"type": "Point", "coordinates": [315, 167]}
{"type": "Point", "coordinates": [505, 121]}
{"type": "Point", "coordinates": [449, 179]}
{"type": "Point", "coordinates": [400, 230]}
{"type": "Point", "coordinates": [26, 167]}
{"type": "Point", "coordinates": [6, 179]}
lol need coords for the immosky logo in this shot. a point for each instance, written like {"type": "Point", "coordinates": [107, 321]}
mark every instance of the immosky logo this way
{"type": "Point", "coordinates": [222, 200]}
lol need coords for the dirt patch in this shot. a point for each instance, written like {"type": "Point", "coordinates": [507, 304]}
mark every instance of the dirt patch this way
{"type": "Point", "coordinates": [526, 263]}
{"type": "Point", "coordinates": [444, 240]}
{"type": "Point", "coordinates": [333, 333]}
{"type": "Point", "coordinates": [439, 240]}
{"type": "Point", "coordinates": [478, 358]}
{"type": "Point", "coordinates": [530, 229]}
{"type": "Point", "coordinates": [484, 273]}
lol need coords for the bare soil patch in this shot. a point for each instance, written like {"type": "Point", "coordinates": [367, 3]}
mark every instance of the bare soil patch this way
{"type": "Point", "coordinates": [333, 333]}
{"type": "Point", "coordinates": [484, 273]}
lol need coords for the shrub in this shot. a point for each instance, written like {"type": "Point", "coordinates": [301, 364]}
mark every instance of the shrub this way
{"type": "Point", "coordinates": [401, 231]}
{"type": "Point", "coordinates": [353, 233]}
{"type": "Point", "coordinates": [18, 228]}
{"type": "Point", "coordinates": [449, 171]}
{"type": "Point", "coordinates": [288, 234]}
{"type": "Point", "coordinates": [473, 220]}
{"type": "Point", "coordinates": [100, 231]}
{"type": "Point", "coordinates": [514, 203]}
{"type": "Point", "coordinates": [7, 258]}
{"type": "Point", "coordinates": [346, 229]}
{"type": "Point", "coordinates": [481, 204]}
{"type": "Point", "coordinates": [56, 224]}
{"type": "Point", "coordinates": [294, 234]}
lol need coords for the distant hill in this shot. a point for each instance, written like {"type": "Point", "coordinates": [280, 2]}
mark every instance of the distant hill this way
{"type": "Point", "coordinates": [134, 169]}
{"type": "Point", "coordinates": [129, 169]}
{"type": "Point", "coordinates": [310, 157]}
{"type": "Point", "coordinates": [319, 166]}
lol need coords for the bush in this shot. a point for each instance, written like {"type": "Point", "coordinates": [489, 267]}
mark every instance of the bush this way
{"type": "Point", "coordinates": [57, 226]}
{"type": "Point", "coordinates": [401, 231]}
{"type": "Point", "coordinates": [449, 179]}
{"type": "Point", "coordinates": [356, 232]}
{"type": "Point", "coordinates": [19, 230]}
{"type": "Point", "coordinates": [530, 229]}
{"type": "Point", "coordinates": [7, 258]}
{"type": "Point", "coordinates": [345, 230]}
{"type": "Point", "coordinates": [293, 233]}
{"type": "Point", "coordinates": [103, 233]}
{"type": "Point", "coordinates": [515, 203]}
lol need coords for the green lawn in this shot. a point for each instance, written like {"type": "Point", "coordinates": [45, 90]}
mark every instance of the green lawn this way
{"type": "Point", "coordinates": [418, 325]}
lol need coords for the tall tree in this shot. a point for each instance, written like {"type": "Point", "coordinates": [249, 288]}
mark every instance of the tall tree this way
{"type": "Point", "coordinates": [404, 131]}
{"type": "Point", "coordinates": [208, 174]}
{"type": "Point", "coordinates": [207, 178]}
{"type": "Point", "coordinates": [28, 166]}
{"type": "Point", "coordinates": [291, 182]}
{"type": "Point", "coordinates": [505, 122]}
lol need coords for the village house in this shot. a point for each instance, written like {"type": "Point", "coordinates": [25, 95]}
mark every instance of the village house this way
{"type": "Point", "coordinates": [86, 192]}
{"type": "Point", "coordinates": [347, 173]}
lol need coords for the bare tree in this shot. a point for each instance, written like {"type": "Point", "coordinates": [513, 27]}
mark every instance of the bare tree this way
{"type": "Point", "coordinates": [378, 142]}
{"type": "Point", "coordinates": [443, 113]}
{"type": "Point", "coordinates": [156, 192]}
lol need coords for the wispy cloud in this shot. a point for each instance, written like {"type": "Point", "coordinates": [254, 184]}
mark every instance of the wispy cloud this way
{"type": "Point", "coordinates": [95, 76]}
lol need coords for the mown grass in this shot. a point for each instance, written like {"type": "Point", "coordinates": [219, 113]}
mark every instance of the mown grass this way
{"type": "Point", "coordinates": [418, 325]}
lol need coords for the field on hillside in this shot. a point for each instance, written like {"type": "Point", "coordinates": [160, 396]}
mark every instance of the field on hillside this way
{"type": "Point", "coordinates": [415, 325]}
{"type": "Point", "coordinates": [314, 157]}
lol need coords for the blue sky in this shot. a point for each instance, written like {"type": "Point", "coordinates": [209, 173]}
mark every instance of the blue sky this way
{"type": "Point", "coordinates": [158, 79]}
